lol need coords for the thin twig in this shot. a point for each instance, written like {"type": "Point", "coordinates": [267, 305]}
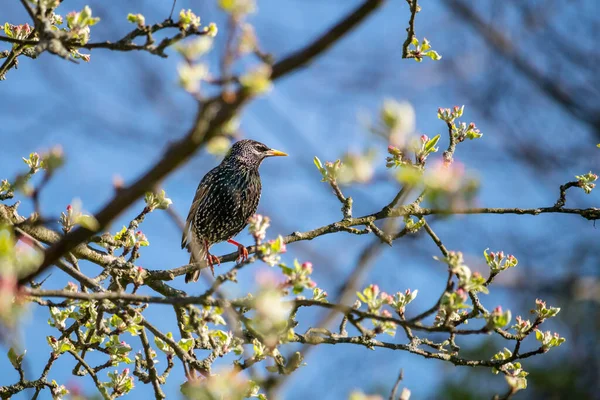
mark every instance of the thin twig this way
{"type": "Point", "coordinates": [411, 27]}
{"type": "Point", "coordinates": [396, 385]}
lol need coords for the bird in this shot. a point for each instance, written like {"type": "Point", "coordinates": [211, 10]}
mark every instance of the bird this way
{"type": "Point", "coordinates": [226, 198]}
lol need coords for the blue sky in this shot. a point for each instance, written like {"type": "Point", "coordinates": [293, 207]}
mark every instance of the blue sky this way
{"type": "Point", "coordinates": [114, 115]}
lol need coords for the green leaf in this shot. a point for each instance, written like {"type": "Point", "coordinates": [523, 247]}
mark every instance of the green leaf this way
{"type": "Point", "coordinates": [186, 344]}
{"type": "Point", "coordinates": [430, 146]}
{"type": "Point", "coordinates": [136, 19]}
{"type": "Point", "coordinates": [89, 222]}
{"type": "Point", "coordinates": [361, 297]}
{"type": "Point", "coordinates": [318, 164]}
{"type": "Point", "coordinates": [16, 359]}
{"type": "Point", "coordinates": [539, 336]}
{"type": "Point", "coordinates": [433, 55]}
{"type": "Point", "coordinates": [286, 270]}
{"type": "Point", "coordinates": [65, 346]}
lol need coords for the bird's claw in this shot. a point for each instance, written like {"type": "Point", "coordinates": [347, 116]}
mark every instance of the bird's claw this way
{"type": "Point", "coordinates": [242, 253]}
{"type": "Point", "coordinates": [212, 260]}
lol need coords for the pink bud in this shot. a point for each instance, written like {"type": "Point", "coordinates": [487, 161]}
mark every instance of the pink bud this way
{"type": "Point", "coordinates": [69, 208]}
{"type": "Point", "coordinates": [393, 150]}
{"type": "Point", "coordinates": [456, 108]}
{"type": "Point", "coordinates": [312, 284]}
{"type": "Point", "coordinates": [492, 254]}
{"type": "Point", "coordinates": [118, 182]}
{"type": "Point", "coordinates": [307, 266]}
{"type": "Point", "coordinates": [386, 298]}
{"type": "Point", "coordinates": [424, 138]}
{"type": "Point", "coordinates": [140, 269]}
{"type": "Point", "coordinates": [461, 293]}
{"type": "Point", "coordinates": [476, 274]}
{"type": "Point", "coordinates": [375, 289]}
{"type": "Point", "coordinates": [386, 313]}
{"type": "Point", "coordinates": [440, 110]}
{"type": "Point", "coordinates": [407, 292]}
{"type": "Point", "coordinates": [126, 371]}
{"type": "Point", "coordinates": [540, 302]}
{"type": "Point", "coordinates": [501, 255]}
{"type": "Point", "coordinates": [498, 310]}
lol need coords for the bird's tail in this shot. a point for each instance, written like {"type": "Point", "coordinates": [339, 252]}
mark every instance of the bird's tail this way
{"type": "Point", "coordinates": [197, 257]}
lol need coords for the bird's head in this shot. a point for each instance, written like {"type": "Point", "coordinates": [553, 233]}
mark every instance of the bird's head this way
{"type": "Point", "coordinates": [251, 152]}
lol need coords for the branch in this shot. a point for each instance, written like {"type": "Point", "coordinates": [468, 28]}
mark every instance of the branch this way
{"type": "Point", "coordinates": [414, 6]}
{"type": "Point", "coordinates": [18, 41]}
{"type": "Point", "coordinates": [126, 43]}
{"type": "Point", "coordinates": [8, 215]}
{"type": "Point", "coordinates": [28, 9]}
{"type": "Point", "coordinates": [370, 343]}
{"type": "Point", "coordinates": [562, 199]}
{"type": "Point", "coordinates": [7, 391]}
{"type": "Point", "coordinates": [158, 393]}
{"type": "Point", "coordinates": [202, 300]}
{"type": "Point", "coordinates": [92, 373]}
{"type": "Point", "coordinates": [396, 385]}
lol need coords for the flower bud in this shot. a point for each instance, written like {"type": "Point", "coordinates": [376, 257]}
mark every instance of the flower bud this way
{"type": "Point", "coordinates": [308, 267]}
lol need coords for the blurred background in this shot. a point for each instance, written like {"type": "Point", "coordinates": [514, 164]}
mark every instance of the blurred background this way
{"type": "Point", "coordinates": [527, 75]}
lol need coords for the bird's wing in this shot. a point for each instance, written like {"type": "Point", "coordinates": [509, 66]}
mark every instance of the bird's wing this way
{"type": "Point", "coordinates": [198, 199]}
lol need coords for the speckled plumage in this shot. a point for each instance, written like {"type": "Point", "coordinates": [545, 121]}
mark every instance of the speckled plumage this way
{"type": "Point", "coordinates": [226, 197]}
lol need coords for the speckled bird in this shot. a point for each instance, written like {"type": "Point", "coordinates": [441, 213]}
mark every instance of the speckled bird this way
{"type": "Point", "coordinates": [226, 198]}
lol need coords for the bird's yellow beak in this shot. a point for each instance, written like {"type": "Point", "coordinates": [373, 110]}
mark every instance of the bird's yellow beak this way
{"type": "Point", "coordinates": [276, 153]}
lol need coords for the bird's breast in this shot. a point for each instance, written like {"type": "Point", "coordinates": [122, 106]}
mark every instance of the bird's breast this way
{"type": "Point", "coordinates": [232, 198]}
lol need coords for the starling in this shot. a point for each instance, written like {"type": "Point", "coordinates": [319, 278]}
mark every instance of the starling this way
{"type": "Point", "coordinates": [226, 197]}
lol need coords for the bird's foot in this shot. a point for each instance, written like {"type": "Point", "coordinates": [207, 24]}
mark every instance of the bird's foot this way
{"type": "Point", "coordinates": [242, 250]}
{"type": "Point", "coordinates": [212, 260]}
{"type": "Point", "coordinates": [242, 253]}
